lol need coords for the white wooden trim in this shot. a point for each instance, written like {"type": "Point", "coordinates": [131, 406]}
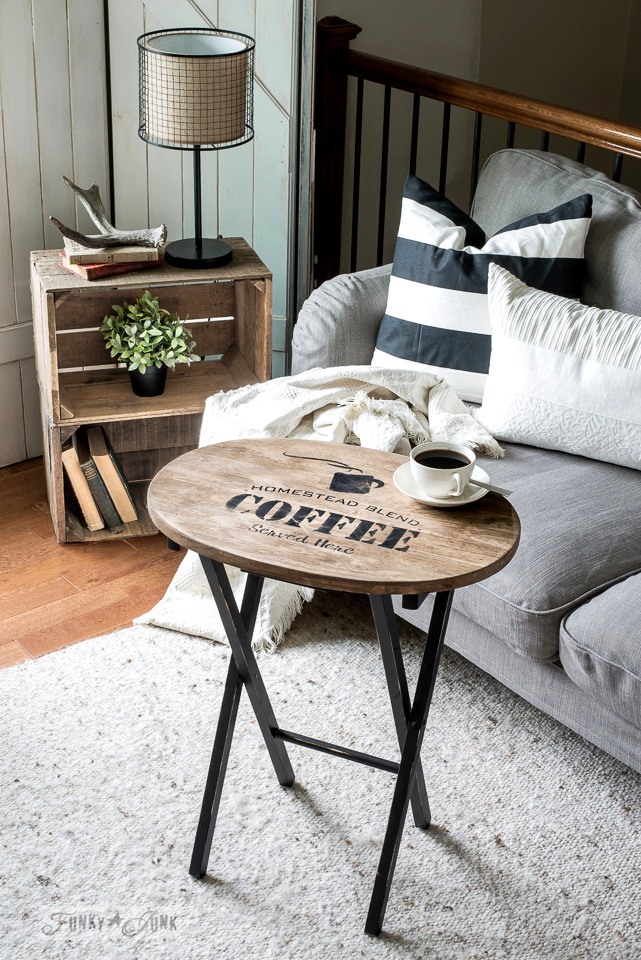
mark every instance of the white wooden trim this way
{"type": "Point", "coordinates": [13, 447]}
{"type": "Point", "coordinates": [16, 342]}
{"type": "Point", "coordinates": [7, 296]}
{"type": "Point", "coordinates": [303, 252]}
{"type": "Point", "coordinates": [126, 23]}
{"type": "Point", "coordinates": [88, 98]}
{"type": "Point", "coordinates": [51, 54]}
{"type": "Point", "coordinates": [17, 82]}
{"type": "Point", "coordinates": [31, 408]}
{"type": "Point", "coordinates": [275, 32]}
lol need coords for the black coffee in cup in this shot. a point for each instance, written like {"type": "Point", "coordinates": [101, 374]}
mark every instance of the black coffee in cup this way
{"type": "Point", "coordinates": [442, 459]}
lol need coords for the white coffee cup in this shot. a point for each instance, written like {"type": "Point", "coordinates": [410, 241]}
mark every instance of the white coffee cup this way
{"type": "Point", "coordinates": [437, 477]}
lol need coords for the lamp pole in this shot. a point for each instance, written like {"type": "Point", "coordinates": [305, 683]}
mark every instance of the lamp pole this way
{"type": "Point", "coordinates": [198, 219]}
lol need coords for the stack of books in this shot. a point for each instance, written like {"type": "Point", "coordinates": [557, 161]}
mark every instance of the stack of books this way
{"type": "Point", "coordinates": [94, 263]}
{"type": "Point", "coordinates": [97, 481]}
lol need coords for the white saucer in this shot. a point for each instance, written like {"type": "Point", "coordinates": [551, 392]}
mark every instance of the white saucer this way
{"type": "Point", "coordinates": [404, 481]}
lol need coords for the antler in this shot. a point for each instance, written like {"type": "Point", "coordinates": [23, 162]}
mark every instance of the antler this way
{"type": "Point", "coordinates": [109, 235]}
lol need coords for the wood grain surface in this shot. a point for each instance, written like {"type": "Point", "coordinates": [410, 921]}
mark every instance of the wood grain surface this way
{"type": "Point", "coordinates": [245, 264]}
{"type": "Point", "coordinates": [326, 515]}
{"type": "Point", "coordinates": [54, 594]}
{"type": "Point", "coordinates": [573, 124]}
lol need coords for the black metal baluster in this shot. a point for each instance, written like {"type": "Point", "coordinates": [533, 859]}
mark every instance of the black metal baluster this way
{"type": "Point", "coordinates": [618, 163]}
{"type": "Point", "coordinates": [511, 129]}
{"type": "Point", "coordinates": [545, 141]}
{"type": "Point", "coordinates": [356, 188]}
{"type": "Point", "coordinates": [580, 153]}
{"type": "Point", "coordinates": [476, 150]}
{"type": "Point", "coordinates": [383, 187]}
{"type": "Point", "coordinates": [416, 108]}
{"type": "Point", "coordinates": [445, 143]}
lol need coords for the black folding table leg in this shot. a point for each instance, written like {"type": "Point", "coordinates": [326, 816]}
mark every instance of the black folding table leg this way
{"type": "Point", "coordinates": [217, 770]}
{"type": "Point", "coordinates": [223, 739]}
{"type": "Point", "coordinates": [409, 760]}
{"type": "Point", "coordinates": [385, 623]}
{"type": "Point", "coordinates": [240, 642]}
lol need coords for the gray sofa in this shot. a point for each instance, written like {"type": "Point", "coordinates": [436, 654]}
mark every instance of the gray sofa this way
{"type": "Point", "coordinates": [561, 624]}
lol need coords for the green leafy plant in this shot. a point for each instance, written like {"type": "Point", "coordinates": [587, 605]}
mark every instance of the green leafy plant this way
{"type": "Point", "coordinates": [143, 334]}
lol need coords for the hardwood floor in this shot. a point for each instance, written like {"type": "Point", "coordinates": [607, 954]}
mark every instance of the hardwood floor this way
{"type": "Point", "coordinates": [51, 594]}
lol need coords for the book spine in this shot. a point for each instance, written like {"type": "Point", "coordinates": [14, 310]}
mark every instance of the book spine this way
{"type": "Point", "coordinates": [113, 255]}
{"type": "Point", "coordinates": [112, 474]}
{"type": "Point", "coordinates": [101, 496]}
{"type": "Point", "coordinates": [86, 502]}
{"type": "Point", "coordinates": [130, 508]}
{"type": "Point", "coordinates": [96, 271]}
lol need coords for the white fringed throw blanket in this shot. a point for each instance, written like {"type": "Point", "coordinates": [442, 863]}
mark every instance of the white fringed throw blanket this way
{"type": "Point", "coordinates": [385, 409]}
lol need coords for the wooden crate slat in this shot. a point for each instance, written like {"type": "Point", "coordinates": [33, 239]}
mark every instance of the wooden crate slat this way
{"type": "Point", "coordinates": [95, 397]}
{"type": "Point", "coordinates": [244, 264]}
{"type": "Point", "coordinates": [213, 338]}
{"type": "Point", "coordinates": [55, 479]}
{"type": "Point", "coordinates": [87, 308]}
{"type": "Point", "coordinates": [153, 434]}
{"type": "Point", "coordinates": [242, 344]}
{"type": "Point", "coordinates": [262, 324]}
{"type": "Point", "coordinates": [239, 369]}
{"type": "Point", "coordinates": [86, 348]}
{"type": "Point", "coordinates": [144, 464]}
{"type": "Point", "coordinates": [253, 325]}
{"type": "Point", "coordinates": [49, 355]}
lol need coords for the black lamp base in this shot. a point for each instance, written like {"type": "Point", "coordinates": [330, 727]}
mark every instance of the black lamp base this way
{"type": "Point", "coordinates": [212, 253]}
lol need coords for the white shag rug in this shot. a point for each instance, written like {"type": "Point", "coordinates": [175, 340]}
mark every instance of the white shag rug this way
{"type": "Point", "coordinates": [533, 853]}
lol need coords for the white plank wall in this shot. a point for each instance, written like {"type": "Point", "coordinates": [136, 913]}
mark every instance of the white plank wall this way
{"type": "Point", "coordinates": [54, 121]}
{"type": "Point", "coordinates": [52, 97]}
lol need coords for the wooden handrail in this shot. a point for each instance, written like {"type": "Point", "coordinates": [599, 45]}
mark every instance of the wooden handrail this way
{"type": "Point", "coordinates": [490, 101]}
{"type": "Point", "coordinates": [336, 63]}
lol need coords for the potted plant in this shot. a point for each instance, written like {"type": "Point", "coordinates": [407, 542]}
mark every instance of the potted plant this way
{"type": "Point", "coordinates": [148, 339]}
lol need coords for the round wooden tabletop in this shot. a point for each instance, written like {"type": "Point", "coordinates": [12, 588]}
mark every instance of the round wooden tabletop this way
{"type": "Point", "coordinates": [326, 515]}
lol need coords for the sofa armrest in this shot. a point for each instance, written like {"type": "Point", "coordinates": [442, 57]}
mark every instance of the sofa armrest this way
{"type": "Point", "coordinates": [339, 322]}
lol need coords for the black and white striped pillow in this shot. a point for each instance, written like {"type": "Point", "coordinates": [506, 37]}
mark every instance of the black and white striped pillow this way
{"type": "Point", "coordinates": [437, 314]}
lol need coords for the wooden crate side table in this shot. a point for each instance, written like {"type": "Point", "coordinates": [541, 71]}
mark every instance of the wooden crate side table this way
{"type": "Point", "coordinates": [229, 312]}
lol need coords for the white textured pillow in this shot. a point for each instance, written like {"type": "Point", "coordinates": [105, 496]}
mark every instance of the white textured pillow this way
{"type": "Point", "coordinates": [562, 375]}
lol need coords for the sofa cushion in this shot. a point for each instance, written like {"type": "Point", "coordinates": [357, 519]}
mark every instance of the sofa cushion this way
{"type": "Point", "coordinates": [581, 531]}
{"type": "Point", "coordinates": [339, 321]}
{"type": "Point", "coordinates": [600, 649]}
{"type": "Point", "coordinates": [562, 375]}
{"type": "Point", "coordinates": [515, 183]}
{"type": "Point", "coordinates": [437, 314]}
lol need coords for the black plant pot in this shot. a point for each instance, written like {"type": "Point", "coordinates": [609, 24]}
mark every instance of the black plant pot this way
{"type": "Point", "coordinates": [151, 383]}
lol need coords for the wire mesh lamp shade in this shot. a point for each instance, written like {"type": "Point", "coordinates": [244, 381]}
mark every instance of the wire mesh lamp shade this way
{"type": "Point", "coordinates": [196, 93]}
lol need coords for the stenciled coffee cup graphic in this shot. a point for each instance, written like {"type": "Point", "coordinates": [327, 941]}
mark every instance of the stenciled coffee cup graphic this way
{"type": "Point", "coordinates": [354, 483]}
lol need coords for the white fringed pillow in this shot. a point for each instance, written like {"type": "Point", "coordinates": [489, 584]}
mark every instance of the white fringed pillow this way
{"type": "Point", "coordinates": [562, 375]}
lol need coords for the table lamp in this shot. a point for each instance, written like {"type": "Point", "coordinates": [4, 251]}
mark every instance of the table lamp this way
{"type": "Point", "coordinates": [196, 93]}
